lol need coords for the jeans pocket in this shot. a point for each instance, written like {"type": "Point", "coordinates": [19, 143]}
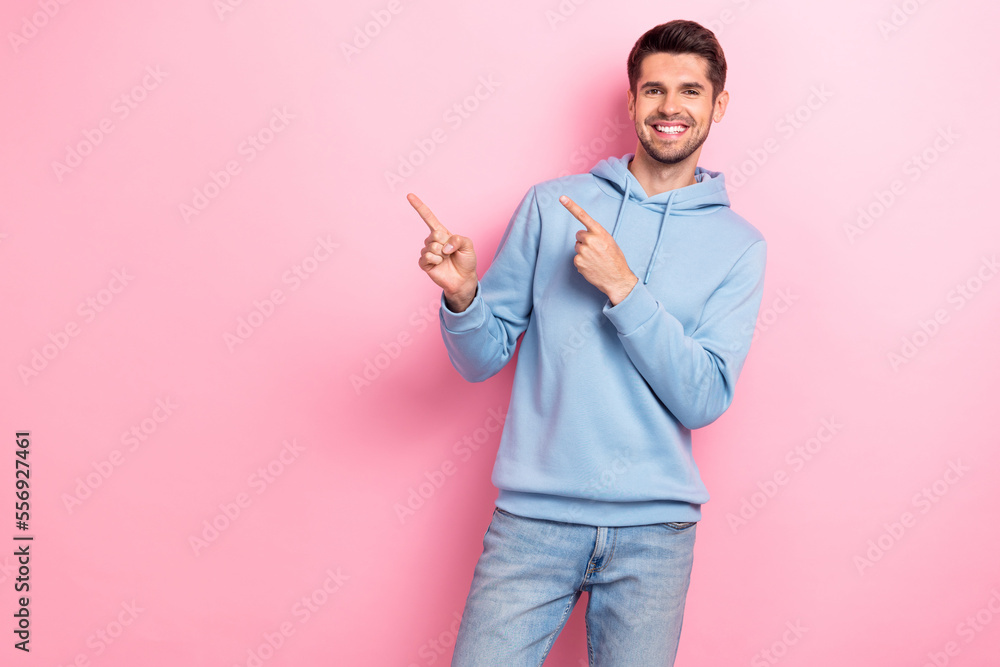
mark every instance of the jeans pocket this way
{"type": "Point", "coordinates": [679, 525]}
{"type": "Point", "coordinates": [490, 524]}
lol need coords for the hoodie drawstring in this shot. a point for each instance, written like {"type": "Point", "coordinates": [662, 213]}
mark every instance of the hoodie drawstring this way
{"type": "Point", "coordinates": [659, 237]}
{"type": "Point", "coordinates": [621, 208]}
{"type": "Point", "coordinates": [659, 234]}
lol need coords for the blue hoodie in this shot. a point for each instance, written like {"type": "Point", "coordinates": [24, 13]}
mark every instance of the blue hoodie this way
{"type": "Point", "coordinates": [605, 397]}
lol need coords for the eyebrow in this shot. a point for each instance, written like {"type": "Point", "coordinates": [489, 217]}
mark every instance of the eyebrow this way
{"type": "Point", "coordinates": [657, 84]}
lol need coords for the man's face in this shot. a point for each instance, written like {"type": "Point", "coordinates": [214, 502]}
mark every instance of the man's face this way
{"type": "Point", "coordinates": [672, 107]}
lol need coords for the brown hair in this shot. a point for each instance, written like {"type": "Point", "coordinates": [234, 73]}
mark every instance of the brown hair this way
{"type": "Point", "coordinates": [680, 36]}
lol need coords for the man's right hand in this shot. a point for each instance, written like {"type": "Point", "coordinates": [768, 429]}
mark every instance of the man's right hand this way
{"type": "Point", "coordinates": [448, 259]}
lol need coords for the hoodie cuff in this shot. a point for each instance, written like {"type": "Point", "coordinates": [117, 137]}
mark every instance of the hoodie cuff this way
{"type": "Point", "coordinates": [471, 318]}
{"type": "Point", "coordinates": [633, 311]}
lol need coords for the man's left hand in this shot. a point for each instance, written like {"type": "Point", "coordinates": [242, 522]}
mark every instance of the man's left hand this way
{"type": "Point", "coordinates": [599, 259]}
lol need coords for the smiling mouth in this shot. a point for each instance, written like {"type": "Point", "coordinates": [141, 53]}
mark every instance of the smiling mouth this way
{"type": "Point", "coordinates": [669, 129]}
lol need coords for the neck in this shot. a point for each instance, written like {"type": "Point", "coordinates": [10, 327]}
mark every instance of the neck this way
{"type": "Point", "coordinates": [656, 177]}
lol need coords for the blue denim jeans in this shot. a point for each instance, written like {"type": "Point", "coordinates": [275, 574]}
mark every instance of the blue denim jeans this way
{"type": "Point", "coordinates": [532, 572]}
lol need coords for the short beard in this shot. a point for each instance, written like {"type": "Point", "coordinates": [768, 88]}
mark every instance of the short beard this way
{"type": "Point", "coordinates": [678, 155]}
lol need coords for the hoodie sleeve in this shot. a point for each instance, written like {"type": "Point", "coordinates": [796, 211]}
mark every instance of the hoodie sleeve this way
{"type": "Point", "coordinates": [481, 339]}
{"type": "Point", "coordinates": [694, 376]}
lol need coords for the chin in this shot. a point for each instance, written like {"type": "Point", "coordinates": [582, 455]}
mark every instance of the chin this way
{"type": "Point", "coordinates": [669, 158]}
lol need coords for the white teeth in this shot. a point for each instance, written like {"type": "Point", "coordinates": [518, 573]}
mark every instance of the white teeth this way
{"type": "Point", "coordinates": [675, 129]}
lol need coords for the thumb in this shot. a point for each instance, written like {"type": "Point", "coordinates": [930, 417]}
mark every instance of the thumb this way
{"type": "Point", "coordinates": [459, 249]}
{"type": "Point", "coordinates": [456, 243]}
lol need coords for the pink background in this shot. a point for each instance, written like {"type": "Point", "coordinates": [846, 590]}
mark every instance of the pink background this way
{"type": "Point", "coordinates": [886, 107]}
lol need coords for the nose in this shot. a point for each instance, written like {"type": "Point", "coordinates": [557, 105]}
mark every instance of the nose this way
{"type": "Point", "coordinates": [670, 105]}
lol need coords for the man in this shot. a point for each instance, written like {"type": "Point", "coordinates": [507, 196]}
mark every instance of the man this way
{"type": "Point", "coordinates": [632, 338]}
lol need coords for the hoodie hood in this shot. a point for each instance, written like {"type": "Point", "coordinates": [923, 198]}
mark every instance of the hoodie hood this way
{"type": "Point", "coordinates": [707, 195]}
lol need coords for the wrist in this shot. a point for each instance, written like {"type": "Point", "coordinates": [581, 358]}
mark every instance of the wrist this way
{"type": "Point", "coordinates": [460, 299]}
{"type": "Point", "coordinates": [618, 293]}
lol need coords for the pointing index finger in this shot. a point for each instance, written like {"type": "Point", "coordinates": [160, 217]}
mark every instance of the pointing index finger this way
{"type": "Point", "coordinates": [425, 213]}
{"type": "Point", "coordinates": [581, 215]}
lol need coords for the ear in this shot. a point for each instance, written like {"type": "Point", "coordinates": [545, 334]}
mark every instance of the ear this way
{"type": "Point", "coordinates": [721, 102]}
{"type": "Point", "coordinates": [630, 99]}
